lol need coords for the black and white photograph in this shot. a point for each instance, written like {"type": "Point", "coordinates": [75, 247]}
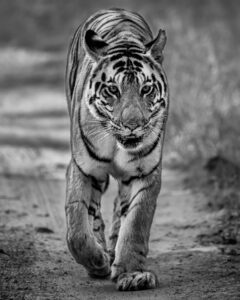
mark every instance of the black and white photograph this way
{"type": "Point", "coordinates": [119, 149]}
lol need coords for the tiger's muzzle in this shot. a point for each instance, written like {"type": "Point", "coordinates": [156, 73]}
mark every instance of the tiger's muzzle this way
{"type": "Point", "coordinates": [133, 125]}
{"type": "Point", "coordinates": [132, 117]}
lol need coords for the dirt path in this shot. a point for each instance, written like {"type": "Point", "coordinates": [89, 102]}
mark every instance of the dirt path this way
{"type": "Point", "coordinates": [34, 260]}
{"type": "Point", "coordinates": [37, 264]}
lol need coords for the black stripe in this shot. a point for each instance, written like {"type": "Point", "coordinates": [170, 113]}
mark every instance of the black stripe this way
{"type": "Point", "coordinates": [121, 69]}
{"type": "Point", "coordinates": [147, 79]}
{"type": "Point", "coordinates": [153, 78]}
{"type": "Point", "coordinates": [162, 102]}
{"type": "Point", "coordinates": [136, 204]}
{"type": "Point", "coordinates": [119, 64]}
{"type": "Point", "coordinates": [127, 205]}
{"type": "Point", "coordinates": [91, 211]}
{"type": "Point", "coordinates": [89, 146]}
{"type": "Point", "coordinates": [103, 77]}
{"type": "Point", "coordinates": [138, 192]}
{"type": "Point", "coordinates": [147, 150]}
{"type": "Point", "coordinates": [159, 87]}
{"type": "Point", "coordinates": [86, 141]}
{"type": "Point", "coordinates": [137, 64]}
{"type": "Point", "coordinates": [95, 156]}
{"type": "Point", "coordinates": [94, 201]}
{"type": "Point", "coordinates": [164, 82]}
{"type": "Point", "coordinates": [116, 50]}
{"type": "Point", "coordinates": [103, 102]}
{"type": "Point", "coordinates": [124, 209]}
{"type": "Point", "coordinates": [97, 85]}
{"type": "Point", "coordinates": [96, 186]}
{"type": "Point", "coordinates": [92, 177]}
{"type": "Point", "coordinates": [123, 202]}
{"type": "Point", "coordinates": [137, 56]}
{"type": "Point", "coordinates": [155, 112]}
{"type": "Point", "coordinates": [84, 203]}
{"type": "Point", "coordinates": [127, 54]}
{"type": "Point", "coordinates": [90, 149]}
{"type": "Point", "coordinates": [113, 236]}
{"type": "Point", "coordinates": [135, 23]}
{"type": "Point", "coordinates": [73, 61]}
{"type": "Point", "coordinates": [116, 57]}
{"type": "Point", "coordinates": [141, 176]}
{"type": "Point", "coordinates": [102, 87]}
{"type": "Point", "coordinates": [138, 69]}
{"type": "Point", "coordinates": [108, 94]}
{"type": "Point", "coordinates": [92, 99]}
{"type": "Point", "coordinates": [107, 22]}
{"type": "Point", "coordinates": [97, 229]}
{"type": "Point", "coordinates": [106, 184]}
{"type": "Point", "coordinates": [121, 50]}
{"type": "Point", "coordinates": [100, 186]}
{"type": "Point", "coordinates": [80, 169]}
{"type": "Point", "coordinates": [100, 113]}
{"type": "Point", "coordinates": [135, 49]}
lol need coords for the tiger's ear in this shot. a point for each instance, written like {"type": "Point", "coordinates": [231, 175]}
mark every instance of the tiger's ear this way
{"type": "Point", "coordinates": [155, 47]}
{"type": "Point", "coordinates": [95, 45]}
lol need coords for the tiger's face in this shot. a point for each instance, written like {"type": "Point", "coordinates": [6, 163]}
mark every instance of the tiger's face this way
{"type": "Point", "coordinates": [129, 95]}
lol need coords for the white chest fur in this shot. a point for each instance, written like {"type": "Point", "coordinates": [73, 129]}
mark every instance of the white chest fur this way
{"type": "Point", "coordinates": [126, 165]}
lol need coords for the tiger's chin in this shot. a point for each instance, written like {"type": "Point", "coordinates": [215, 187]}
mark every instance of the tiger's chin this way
{"type": "Point", "coordinates": [130, 142]}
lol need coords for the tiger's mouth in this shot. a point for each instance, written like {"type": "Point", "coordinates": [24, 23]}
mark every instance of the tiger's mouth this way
{"type": "Point", "coordinates": [130, 141]}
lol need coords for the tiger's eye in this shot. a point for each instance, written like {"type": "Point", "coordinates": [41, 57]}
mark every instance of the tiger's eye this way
{"type": "Point", "coordinates": [146, 89]}
{"type": "Point", "coordinates": [113, 89]}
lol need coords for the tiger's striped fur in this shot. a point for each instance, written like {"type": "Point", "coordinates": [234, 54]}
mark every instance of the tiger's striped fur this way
{"type": "Point", "coordinates": [118, 99]}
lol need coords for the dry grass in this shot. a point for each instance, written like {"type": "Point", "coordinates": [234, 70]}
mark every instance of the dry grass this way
{"type": "Point", "coordinates": [204, 82]}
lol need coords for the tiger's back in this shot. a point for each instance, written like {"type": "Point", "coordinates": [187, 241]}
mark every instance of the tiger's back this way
{"type": "Point", "coordinates": [109, 24]}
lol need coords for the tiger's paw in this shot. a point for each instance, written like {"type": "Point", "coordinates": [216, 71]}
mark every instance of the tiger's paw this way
{"type": "Point", "coordinates": [101, 267]}
{"type": "Point", "coordinates": [136, 281]}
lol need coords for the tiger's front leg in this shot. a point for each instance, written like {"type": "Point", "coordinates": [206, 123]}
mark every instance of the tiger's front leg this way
{"type": "Point", "coordinates": [128, 268]}
{"type": "Point", "coordinates": [84, 223]}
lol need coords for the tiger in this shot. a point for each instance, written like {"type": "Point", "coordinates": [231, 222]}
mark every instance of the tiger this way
{"type": "Point", "coordinates": [118, 99]}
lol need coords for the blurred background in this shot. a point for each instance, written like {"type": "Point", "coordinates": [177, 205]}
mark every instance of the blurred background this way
{"type": "Point", "coordinates": [202, 62]}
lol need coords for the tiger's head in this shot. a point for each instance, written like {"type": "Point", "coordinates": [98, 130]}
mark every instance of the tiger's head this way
{"type": "Point", "coordinates": [127, 90]}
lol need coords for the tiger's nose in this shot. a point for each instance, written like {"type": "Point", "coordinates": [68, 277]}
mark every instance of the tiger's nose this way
{"type": "Point", "coordinates": [132, 117]}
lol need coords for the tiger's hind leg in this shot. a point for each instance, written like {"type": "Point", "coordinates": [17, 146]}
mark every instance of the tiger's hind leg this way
{"type": "Point", "coordinates": [86, 244]}
{"type": "Point", "coordinates": [128, 269]}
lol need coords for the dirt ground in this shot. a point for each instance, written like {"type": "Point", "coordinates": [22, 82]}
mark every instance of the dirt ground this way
{"type": "Point", "coordinates": [34, 259]}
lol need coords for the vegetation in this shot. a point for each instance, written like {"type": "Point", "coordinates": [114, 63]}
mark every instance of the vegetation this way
{"type": "Point", "coordinates": [201, 60]}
